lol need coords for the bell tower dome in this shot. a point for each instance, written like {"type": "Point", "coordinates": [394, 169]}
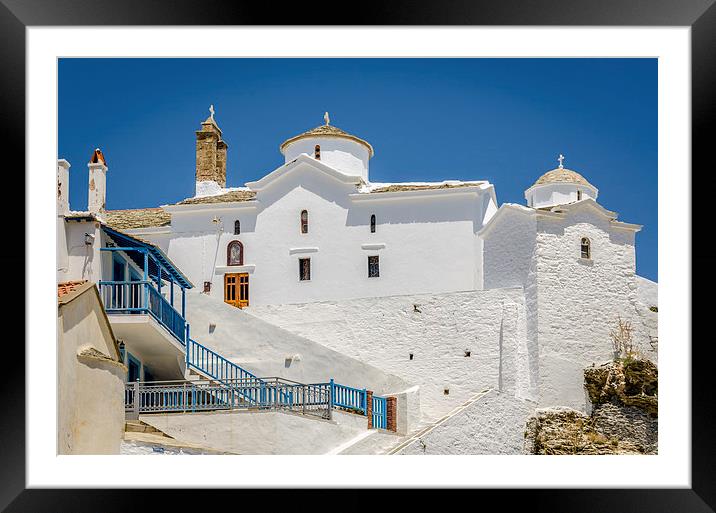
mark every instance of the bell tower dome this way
{"type": "Point", "coordinates": [558, 187]}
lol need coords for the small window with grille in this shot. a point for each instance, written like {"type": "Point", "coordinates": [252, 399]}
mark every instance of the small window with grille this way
{"type": "Point", "coordinates": [586, 248]}
{"type": "Point", "coordinates": [373, 267]}
{"type": "Point", "coordinates": [372, 223]}
{"type": "Point", "coordinates": [317, 152]}
{"type": "Point", "coordinates": [304, 269]}
{"type": "Point", "coordinates": [237, 227]}
{"type": "Point", "coordinates": [304, 221]}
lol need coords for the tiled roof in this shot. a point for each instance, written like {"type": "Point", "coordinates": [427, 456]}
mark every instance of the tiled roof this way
{"type": "Point", "coordinates": [137, 218]}
{"type": "Point", "coordinates": [411, 187]}
{"type": "Point", "coordinates": [562, 175]}
{"type": "Point", "coordinates": [227, 197]}
{"type": "Point", "coordinates": [327, 131]}
{"type": "Point", "coordinates": [91, 352]}
{"type": "Point", "coordinates": [66, 287]}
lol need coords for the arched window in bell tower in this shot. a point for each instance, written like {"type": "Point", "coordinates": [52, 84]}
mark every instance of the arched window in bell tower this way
{"type": "Point", "coordinates": [237, 227]}
{"type": "Point", "coordinates": [586, 248]}
{"type": "Point", "coordinates": [372, 223]}
{"type": "Point", "coordinates": [304, 221]}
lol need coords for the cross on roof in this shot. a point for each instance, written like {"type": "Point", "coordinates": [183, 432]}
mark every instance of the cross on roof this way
{"type": "Point", "coordinates": [211, 111]}
{"type": "Point", "coordinates": [561, 161]}
{"type": "Point", "coordinates": [327, 119]}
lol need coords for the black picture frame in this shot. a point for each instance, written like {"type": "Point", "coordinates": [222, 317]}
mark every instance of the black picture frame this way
{"type": "Point", "coordinates": [700, 15]}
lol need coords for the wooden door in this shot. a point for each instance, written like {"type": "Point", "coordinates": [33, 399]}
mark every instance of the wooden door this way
{"type": "Point", "coordinates": [236, 289]}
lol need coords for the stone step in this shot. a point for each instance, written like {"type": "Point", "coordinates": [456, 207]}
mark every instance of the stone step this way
{"type": "Point", "coordinates": [137, 426]}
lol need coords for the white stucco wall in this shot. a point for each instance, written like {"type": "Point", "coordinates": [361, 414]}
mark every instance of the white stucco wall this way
{"type": "Point", "coordinates": [551, 194]}
{"type": "Point", "coordinates": [268, 350]}
{"type": "Point", "coordinates": [90, 392]}
{"type": "Point", "coordinates": [508, 248]}
{"type": "Point", "coordinates": [494, 424]}
{"type": "Point", "coordinates": [79, 261]}
{"type": "Point", "coordinates": [385, 331]}
{"type": "Point", "coordinates": [425, 244]}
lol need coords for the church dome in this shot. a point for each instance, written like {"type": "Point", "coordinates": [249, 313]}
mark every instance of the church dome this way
{"type": "Point", "coordinates": [559, 186]}
{"type": "Point", "coordinates": [562, 175]}
{"type": "Point", "coordinates": [326, 131]}
{"type": "Point", "coordinates": [334, 147]}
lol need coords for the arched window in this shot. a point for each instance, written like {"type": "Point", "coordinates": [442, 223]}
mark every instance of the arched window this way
{"type": "Point", "coordinates": [304, 221]}
{"type": "Point", "coordinates": [372, 223]}
{"type": "Point", "coordinates": [237, 227]}
{"type": "Point", "coordinates": [235, 253]}
{"type": "Point", "coordinates": [579, 195]}
{"type": "Point", "coordinates": [317, 152]}
{"type": "Point", "coordinates": [586, 248]}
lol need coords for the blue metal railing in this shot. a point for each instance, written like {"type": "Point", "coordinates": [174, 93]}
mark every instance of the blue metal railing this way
{"type": "Point", "coordinates": [380, 412]}
{"type": "Point", "coordinates": [140, 297]}
{"type": "Point", "coordinates": [349, 398]}
{"type": "Point", "coordinates": [269, 393]}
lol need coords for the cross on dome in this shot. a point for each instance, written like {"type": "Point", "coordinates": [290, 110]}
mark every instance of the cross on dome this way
{"type": "Point", "coordinates": [327, 118]}
{"type": "Point", "coordinates": [211, 111]}
{"type": "Point", "coordinates": [561, 161]}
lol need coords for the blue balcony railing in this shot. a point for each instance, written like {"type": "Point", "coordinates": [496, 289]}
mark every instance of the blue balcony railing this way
{"type": "Point", "coordinates": [140, 297]}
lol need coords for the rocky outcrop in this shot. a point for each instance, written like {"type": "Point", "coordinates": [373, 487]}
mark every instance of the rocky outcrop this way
{"type": "Point", "coordinates": [623, 419]}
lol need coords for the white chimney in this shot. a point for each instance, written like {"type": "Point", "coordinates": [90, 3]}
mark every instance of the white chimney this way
{"type": "Point", "coordinates": [97, 196]}
{"type": "Point", "coordinates": [63, 187]}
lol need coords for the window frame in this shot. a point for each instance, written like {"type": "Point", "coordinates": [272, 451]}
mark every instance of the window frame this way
{"type": "Point", "coordinates": [300, 269]}
{"type": "Point", "coordinates": [375, 265]}
{"type": "Point", "coordinates": [588, 245]}
{"type": "Point", "coordinates": [228, 253]}
{"type": "Point", "coordinates": [303, 222]}
{"type": "Point", "coordinates": [237, 227]}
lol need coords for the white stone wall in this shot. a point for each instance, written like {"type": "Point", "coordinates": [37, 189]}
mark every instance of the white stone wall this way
{"type": "Point", "coordinates": [435, 328]}
{"type": "Point", "coordinates": [494, 424]}
{"type": "Point", "coordinates": [509, 248]}
{"type": "Point", "coordinates": [578, 300]}
{"type": "Point", "coordinates": [424, 244]}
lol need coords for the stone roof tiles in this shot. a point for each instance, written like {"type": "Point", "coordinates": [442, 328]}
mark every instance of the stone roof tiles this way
{"type": "Point", "coordinates": [421, 187]}
{"type": "Point", "coordinates": [137, 218]}
{"type": "Point", "coordinates": [327, 131]}
{"type": "Point", "coordinates": [562, 175]}
{"type": "Point", "coordinates": [227, 197]}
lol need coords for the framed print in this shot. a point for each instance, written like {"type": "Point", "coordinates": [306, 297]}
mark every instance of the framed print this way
{"type": "Point", "coordinates": [425, 243]}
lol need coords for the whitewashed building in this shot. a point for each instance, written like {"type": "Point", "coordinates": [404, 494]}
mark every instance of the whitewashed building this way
{"type": "Point", "coordinates": [316, 228]}
{"type": "Point", "coordinates": [427, 291]}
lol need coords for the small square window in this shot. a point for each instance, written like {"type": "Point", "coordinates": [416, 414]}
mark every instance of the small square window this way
{"type": "Point", "coordinates": [373, 267]}
{"type": "Point", "coordinates": [410, 356]}
{"type": "Point", "coordinates": [304, 269]}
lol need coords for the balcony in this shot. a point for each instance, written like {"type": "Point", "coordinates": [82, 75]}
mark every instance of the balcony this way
{"type": "Point", "coordinates": [140, 297]}
{"type": "Point", "coordinates": [142, 316]}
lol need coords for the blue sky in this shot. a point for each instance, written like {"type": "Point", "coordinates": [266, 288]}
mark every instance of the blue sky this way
{"type": "Point", "coordinates": [502, 120]}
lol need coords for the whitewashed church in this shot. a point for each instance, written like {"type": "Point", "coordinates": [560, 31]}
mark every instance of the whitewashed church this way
{"type": "Point", "coordinates": [470, 313]}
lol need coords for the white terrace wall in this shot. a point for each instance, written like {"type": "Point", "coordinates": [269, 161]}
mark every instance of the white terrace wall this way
{"type": "Point", "coordinates": [268, 350]}
{"type": "Point", "coordinates": [436, 329]}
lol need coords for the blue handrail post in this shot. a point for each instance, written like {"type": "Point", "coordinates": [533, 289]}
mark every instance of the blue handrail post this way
{"type": "Point", "coordinates": [363, 401]}
{"type": "Point", "coordinates": [187, 349]}
{"type": "Point", "coordinates": [330, 400]}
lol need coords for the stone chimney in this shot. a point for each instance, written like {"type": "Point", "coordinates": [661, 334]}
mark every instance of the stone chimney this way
{"type": "Point", "coordinates": [210, 158]}
{"type": "Point", "coordinates": [63, 187]}
{"type": "Point", "coordinates": [97, 196]}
